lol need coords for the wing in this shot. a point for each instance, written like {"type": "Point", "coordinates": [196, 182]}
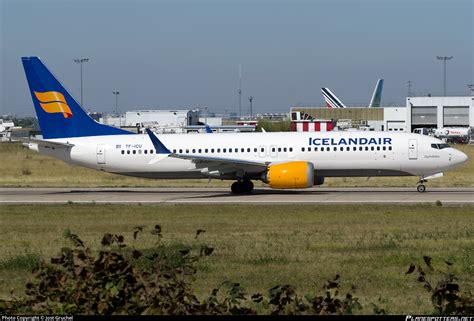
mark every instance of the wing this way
{"type": "Point", "coordinates": [44, 143]}
{"type": "Point", "coordinates": [223, 165]}
{"type": "Point", "coordinates": [213, 166]}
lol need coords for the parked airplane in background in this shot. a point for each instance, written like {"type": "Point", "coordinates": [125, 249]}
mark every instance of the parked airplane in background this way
{"type": "Point", "coordinates": [282, 160]}
{"type": "Point", "coordinates": [333, 102]}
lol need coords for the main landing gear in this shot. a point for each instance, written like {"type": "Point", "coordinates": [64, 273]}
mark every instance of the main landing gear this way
{"type": "Point", "coordinates": [241, 187]}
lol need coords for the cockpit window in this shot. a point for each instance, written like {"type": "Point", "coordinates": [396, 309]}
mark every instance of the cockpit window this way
{"type": "Point", "coordinates": [439, 146]}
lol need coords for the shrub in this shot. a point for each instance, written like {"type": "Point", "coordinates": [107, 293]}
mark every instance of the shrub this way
{"type": "Point", "coordinates": [446, 295]}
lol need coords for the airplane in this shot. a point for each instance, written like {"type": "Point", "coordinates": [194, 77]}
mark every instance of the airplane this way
{"type": "Point", "coordinates": [333, 102]}
{"type": "Point", "coordinates": [283, 160]}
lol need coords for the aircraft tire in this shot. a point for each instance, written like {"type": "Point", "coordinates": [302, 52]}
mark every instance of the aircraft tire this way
{"type": "Point", "coordinates": [247, 186]}
{"type": "Point", "coordinates": [237, 188]}
{"type": "Point", "coordinates": [421, 188]}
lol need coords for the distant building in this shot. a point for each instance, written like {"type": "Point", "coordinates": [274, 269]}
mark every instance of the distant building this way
{"type": "Point", "coordinates": [167, 121]}
{"type": "Point", "coordinates": [364, 118]}
{"type": "Point", "coordinates": [439, 112]}
{"type": "Point", "coordinates": [8, 131]}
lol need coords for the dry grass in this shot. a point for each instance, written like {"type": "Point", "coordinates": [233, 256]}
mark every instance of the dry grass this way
{"type": "Point", "coordinates": [25, 168]}
{"type": "Point", "coordinates": [370, 246]}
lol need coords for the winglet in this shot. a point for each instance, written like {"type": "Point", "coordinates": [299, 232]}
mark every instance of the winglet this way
{"type": "Point", "coordinates": [208, 129]}
{"type": "Point", "coordinates": [160, 148]}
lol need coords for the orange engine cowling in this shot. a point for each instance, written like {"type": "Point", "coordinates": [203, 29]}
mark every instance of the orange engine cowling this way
{"type": "Point", "coordinates": [290, 175]}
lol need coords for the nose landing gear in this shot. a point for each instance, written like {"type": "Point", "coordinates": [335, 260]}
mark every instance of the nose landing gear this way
{"type": "Point", "coordinates": [241, 187]}
{"type": "Point", "coordinates": [421, 188]}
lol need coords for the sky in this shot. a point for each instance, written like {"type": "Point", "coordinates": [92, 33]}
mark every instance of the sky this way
{"type": "Point", "coordinates": [186, 54]}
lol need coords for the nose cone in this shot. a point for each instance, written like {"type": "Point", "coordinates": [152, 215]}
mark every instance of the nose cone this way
{"type": "Point", "coordinates": [460, 157]}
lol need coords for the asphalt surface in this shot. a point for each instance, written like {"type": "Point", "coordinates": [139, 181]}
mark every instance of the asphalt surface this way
{"type": "Point", "coordinates": [222, 195]}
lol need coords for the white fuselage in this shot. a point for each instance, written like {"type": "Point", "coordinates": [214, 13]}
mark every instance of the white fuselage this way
{"type": "Point", "coordinates": [332, 153]}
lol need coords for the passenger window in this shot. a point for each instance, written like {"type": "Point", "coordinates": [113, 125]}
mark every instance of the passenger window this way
{"type": "Point", "coordinates": [328, 149]}
{"type": "Point", "coordinates": [187, 151]}
{"type": "Point", "coordinates": [180, 151]}
{"type": "Point", "coordinates": [194, 151]}
{"type": "Point", "coordinates": [284, 149]}
{"type": "Point", "coordinates": [372, 148]}
{"type": "Point", "coordinates": [248, 150]}
{"type": "Point", "coordinates": [389, 147]}
{"type": "Point", "coordinates": [348, 148]}
{"type": "Point", "coordinates": [378, 147]}
{"type": "Point", "coordinates": [279, 149]}
{"type": "Point", "coordinates": [236, 150]}
{"type": "Point", "coordinates": [255, 150]}
{"type": "Point", "coordinates": [341, 149]}
{"type": "Point", "coordinates": [335, 148]}
{"type": "Point", "coordinates": [199, 151]}
{"type": "Point", "coordinates": [384, 148]}
{"type": "Point", "coordinates": [218, 150]}
{"type": "Point", "coordinates": [366, 148]}
{"type": "Point", "coordinates": [315, 149]}
{"type": "Point", "coordinates": [206, 150]}
{"type": "Point", "coordinates": [134, 151]}
{"type": "Point", "coordinates": [302, 149]}
{"type": "Point", "coordinates": [151, 151]}
{"type": "Point", "coordinates": [139, 151]}
{"type": "Point", "coordinates": [322, 149]}
{"type": "Point", "coordinates": [223, 150]}
{"type": "Point", "coordinates": [123, 152]}
{"type": "Point", "coordinates": [262, 149]}
{"type": "Point", "coordinates": [354, 148]}
{"type": "Point", "coordinates": [212, 150]}
{"type": "Point", "coordinates": [242, 150]}
{"type": "Point", "coordinates": [291, 149]}
{"type": "Point", "coordinates": [360, 148]}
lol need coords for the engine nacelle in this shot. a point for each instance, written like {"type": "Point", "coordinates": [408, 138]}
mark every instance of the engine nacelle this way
{"type": "Point", "coordinates": [290, 175]}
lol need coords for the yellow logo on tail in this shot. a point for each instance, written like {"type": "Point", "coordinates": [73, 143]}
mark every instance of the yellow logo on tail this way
{"type": "Point", "coordinates": [54, 102]}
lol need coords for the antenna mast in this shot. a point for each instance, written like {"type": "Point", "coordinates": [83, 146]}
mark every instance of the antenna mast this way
{"type": "Point", "coordinates": [240, 91]}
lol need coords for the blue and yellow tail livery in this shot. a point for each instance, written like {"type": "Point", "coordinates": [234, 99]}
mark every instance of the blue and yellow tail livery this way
{"type": "Point", "coordinates": [59, 115]}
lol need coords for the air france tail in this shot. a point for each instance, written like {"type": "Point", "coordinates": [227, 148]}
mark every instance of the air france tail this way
{"type": "Point", "coordinates": [331, 100]}
{"type": "Point", "coordinates": [59, 115]}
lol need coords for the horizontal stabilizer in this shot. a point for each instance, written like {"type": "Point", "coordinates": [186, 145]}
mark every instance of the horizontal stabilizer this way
{"type": "Point", "coordinates": [45, 143]}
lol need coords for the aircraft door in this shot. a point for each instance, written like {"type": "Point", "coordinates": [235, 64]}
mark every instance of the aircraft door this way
{"type": "Point", "coordinates": [413, 149]}
{"type": "Point", "coordinates": [101, 154]}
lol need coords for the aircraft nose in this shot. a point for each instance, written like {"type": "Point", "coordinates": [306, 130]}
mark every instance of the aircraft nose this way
{"type": "Point", "coordinates": [461, 157]}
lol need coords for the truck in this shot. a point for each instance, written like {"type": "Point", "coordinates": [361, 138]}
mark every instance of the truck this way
{"type": "Point", "coordinates": [460, 135]}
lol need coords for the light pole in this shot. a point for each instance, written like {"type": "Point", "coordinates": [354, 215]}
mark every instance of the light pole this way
{"type": "Point", "coordinates": [471, 88]}
{"type": "Point", "coordinates": [116, 93]}
{"type": "Point", "coordinates": [444, 59]}
{"type": "Point", "coordinates": [81, 61]}
{"type": "Point", "coordinates": [409, 84]}
{"type": "Point", "coordinates": [250, 100]}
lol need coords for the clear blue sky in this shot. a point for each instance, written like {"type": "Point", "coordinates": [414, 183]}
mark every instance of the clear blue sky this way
{"type": "Point", "coordinates": [171, 54]}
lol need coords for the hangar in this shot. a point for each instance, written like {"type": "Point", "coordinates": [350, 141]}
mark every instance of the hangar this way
{"type": "Point", "coordinates": [438, 112]}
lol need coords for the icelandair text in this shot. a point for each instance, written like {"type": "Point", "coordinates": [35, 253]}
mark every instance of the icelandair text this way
{"type": "Point", "coordinates": [349, 141]}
